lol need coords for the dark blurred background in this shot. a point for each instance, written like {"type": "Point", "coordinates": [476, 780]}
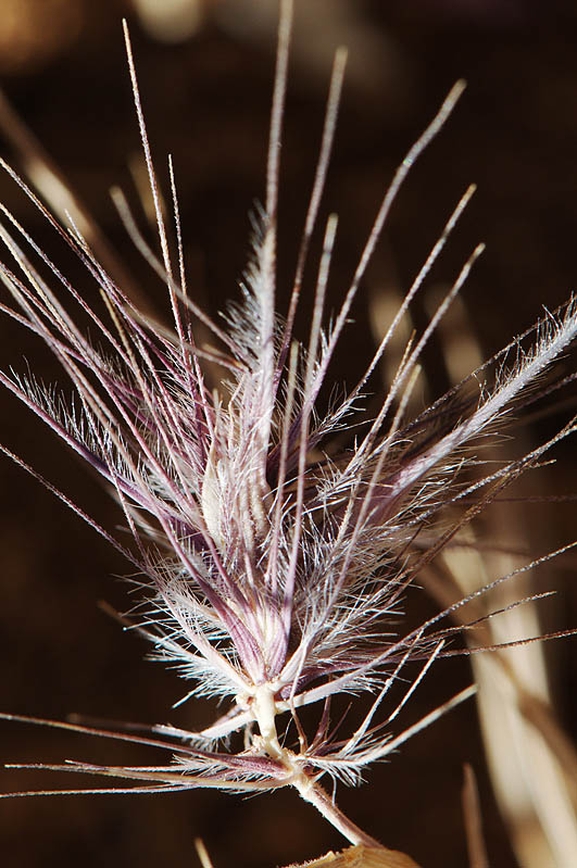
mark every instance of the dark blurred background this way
{"type": "Point", "coordinates": [205, 70]}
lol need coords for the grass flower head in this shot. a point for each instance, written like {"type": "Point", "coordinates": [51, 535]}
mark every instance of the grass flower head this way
{"type": "Point", "coordinates": [275, 562]}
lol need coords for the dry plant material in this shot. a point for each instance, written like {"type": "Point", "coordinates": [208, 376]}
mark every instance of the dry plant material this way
{"type": "Point", "coordinates": [274, 563]}
{"type": "Point", "coordinates": [361, 857]}
{"type": "Point", "coordinates": [473, 821]}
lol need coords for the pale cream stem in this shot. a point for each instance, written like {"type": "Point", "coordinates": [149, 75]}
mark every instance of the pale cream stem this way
{"type": "Point", "coordinates": [315, 795]}
{"type": "Point", "coordinates": [265, 710]}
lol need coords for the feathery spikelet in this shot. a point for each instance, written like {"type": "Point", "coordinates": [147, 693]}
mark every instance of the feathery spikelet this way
{"type": "Point", "coordinates": [275, 563]}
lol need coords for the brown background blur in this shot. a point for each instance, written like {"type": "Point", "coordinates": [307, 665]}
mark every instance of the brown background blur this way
{"type": "Point", "coordinates": [207, 100]}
